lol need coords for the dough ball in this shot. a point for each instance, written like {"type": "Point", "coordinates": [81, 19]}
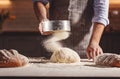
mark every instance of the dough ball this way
{"type": "Point", "coordinates": [65, 55]}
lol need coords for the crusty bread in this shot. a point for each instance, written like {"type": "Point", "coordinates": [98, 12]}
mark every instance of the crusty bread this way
{"type": "Point", "coordinates": [108, 59]}
{"type": "Point", "coordinates": [11, 58]}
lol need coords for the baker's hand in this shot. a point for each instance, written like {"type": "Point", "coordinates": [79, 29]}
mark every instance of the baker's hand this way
{"type": "Point", "coordinates": [41, 28]}
{"type": "Point", "coordinates": [93, 50]}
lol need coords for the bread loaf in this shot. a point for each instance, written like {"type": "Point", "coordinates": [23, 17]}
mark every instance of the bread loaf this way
{"type": "Point", "coordinates": [11, 58]}
{"type": "Point", "coordinates": [108, 59]}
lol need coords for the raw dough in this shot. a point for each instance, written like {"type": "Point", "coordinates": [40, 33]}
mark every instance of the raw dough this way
{"type": "Point", "coordinates": [65, 55]}
{"type": "Point", "coordinates": [60, 54]}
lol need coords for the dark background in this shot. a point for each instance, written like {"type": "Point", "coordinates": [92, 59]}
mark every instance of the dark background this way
{"type": "Point", "coordinates": [21, 33]}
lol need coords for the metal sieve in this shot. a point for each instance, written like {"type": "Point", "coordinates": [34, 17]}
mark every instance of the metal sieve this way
{"type": "Point", "coordinates": [56, 25]}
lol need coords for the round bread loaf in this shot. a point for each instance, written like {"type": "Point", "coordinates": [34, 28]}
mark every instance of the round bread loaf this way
{"type": "Point", "coordinates": [108, 59]}
{"type": "Point", "coordinates": [11, 58]}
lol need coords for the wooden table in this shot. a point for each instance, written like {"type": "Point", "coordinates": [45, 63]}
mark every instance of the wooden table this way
{"type": "Point", "coordinates": [86, 68]}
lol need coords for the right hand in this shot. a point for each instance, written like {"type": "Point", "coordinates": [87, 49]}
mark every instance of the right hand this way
{"type": "Point", "coordinates": [93, 50]}
{"type": "Point", "coordinates": [41, 28]}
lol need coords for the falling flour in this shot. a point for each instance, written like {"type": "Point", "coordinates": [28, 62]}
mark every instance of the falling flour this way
{"type": "Point", "coordinates": [60, 54]}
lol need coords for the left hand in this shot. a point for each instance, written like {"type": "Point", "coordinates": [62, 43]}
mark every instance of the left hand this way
{"type": "Point", "coordinates": [41, 27]}
{"type": "Point", "coordinates": [93, 50]}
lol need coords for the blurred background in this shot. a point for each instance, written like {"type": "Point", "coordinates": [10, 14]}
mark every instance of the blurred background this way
{"type": "Point", "coordinates": [19, 27]}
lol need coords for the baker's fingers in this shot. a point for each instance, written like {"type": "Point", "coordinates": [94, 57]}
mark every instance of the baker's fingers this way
{"type": "Point", "coordinates": [47, 33]}
{"type": "Point", "coordinates": [41, 28]}
{"type": "Point", "coordinates": [93, 54]}
{"type": "Point", "coordinates": [101, 51]}
{"type": "Point", "coordinates": [88, 55]}
{"type": "Point", "coordinates": [97, 52]}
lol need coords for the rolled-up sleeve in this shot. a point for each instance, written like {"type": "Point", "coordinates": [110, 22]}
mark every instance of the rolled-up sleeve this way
{"type": "Point", "coordinates": [101, 8]}
{"type": "Point", "coordinates": [43, 1]}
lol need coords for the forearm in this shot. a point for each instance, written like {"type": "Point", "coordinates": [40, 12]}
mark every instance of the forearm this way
{"type": "Point", "coordinates": [100, 19]}
{"type": "Point", "coordinates": [40, 11]}
{"type": "Point", "coordinates": [98, 29]}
